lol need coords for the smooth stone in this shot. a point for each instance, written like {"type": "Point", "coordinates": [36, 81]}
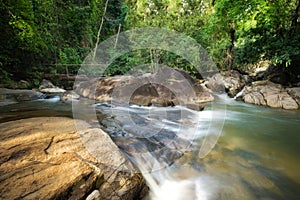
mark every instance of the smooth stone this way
{"type": "Point", "coordinates": [47, 87]}
{"type": "Point", "coordinates": [45, 158]}
{"type": "Point", "coordinates": [53, 90]}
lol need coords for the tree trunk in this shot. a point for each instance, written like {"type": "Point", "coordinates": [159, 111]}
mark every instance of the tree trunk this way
{"type": "Point", "coordinates": [117, 38]}
{"type": "Point", "coordinates": [99, 30]}
{"type": "Point", "coordinates": [295, 16]}
{"type": "Point", "coordinates": [230, 49]}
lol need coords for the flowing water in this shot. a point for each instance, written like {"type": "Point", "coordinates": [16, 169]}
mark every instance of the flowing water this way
{"type": "Point", "coordinates": [256, 155]}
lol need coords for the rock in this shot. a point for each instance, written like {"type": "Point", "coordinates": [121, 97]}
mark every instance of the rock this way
{"type": "Point", "coordinates": [255, 98]}
{"type": "Point", "coordinates": [260, 72]}
{"type": "Point", "coordinates": [44, 158]}
{"type": "Point", "coordinates": [11, 96]}
{"type": "Point", "coordinates": [231, 83]}
{"type": "Point", "coordinates": [48, 87]}
{"type": "Point", "coordinates": [46, 84]}
{"type": "Point", "coordinates": [295, 93]}
{"type": "Point", "coordinates": [69, 96]}
{"type": "Point", "coordinates": [53, 90]}
{"type": "Point", "coordinates": [23, 84]}
{"type": "Point", "coordinates": [167, 87]}
{"type": "Point", "coordinates": [270, 94]}
{"type": "Point", "coordinates": [195, 106]}
{"type": "Point", "coordinates": [280, 74]}
{"type": "Point", "coordinates": [95, 195]}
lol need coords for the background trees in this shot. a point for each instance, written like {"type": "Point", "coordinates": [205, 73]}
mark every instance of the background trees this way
{"type": "Point", "coordinates": [39, 37]}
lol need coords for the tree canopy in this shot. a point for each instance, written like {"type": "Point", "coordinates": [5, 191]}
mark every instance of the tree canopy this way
{"type": "Point", "coordinates": [39, 37]}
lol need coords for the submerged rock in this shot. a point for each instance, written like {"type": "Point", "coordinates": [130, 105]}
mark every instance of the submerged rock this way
{"type": "Point", "coordinates": [44, 158]}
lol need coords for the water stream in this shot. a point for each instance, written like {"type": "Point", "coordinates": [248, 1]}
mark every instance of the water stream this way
{"type": "Point", "coordinates": [255, 157]}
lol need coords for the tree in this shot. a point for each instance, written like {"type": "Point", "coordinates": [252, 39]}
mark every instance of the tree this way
{"type": "Point", "coordinates": [243, 32]}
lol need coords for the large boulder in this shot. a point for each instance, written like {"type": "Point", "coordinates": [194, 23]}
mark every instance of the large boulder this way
{"type": "Point", "coordinates": [167, 87]}
{"type": "Point", "coordinates": [44, 158]}
{"type": "Point", "coordinates": [231, 82]}
{"type": "Point", "coordinates": [269, 94]}
{"type": "Point", "coordinates": [48, 87]}
{"type": "Point", "coordinates": [8, 96]}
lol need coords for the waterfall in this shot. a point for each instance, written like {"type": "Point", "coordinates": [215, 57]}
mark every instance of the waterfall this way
{"type": "Point", "coordinates": [240, 93]}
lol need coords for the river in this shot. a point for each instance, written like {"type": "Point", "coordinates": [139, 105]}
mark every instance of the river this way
{"type": "Point", "coordinates": [256, 155]}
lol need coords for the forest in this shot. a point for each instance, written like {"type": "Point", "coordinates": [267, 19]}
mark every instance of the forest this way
{"type": "Point", "coordinates": [44, 37]}
{"type": "Point", "coordinates": [150, 99]}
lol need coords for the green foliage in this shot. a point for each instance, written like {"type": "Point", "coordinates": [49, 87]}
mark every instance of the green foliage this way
{"type": "Point", "coordinates": [147, 60]}
{"type": "Point", "coordinates": [39, 37]}
{"type": "Point", "coordinates": [263, 31]}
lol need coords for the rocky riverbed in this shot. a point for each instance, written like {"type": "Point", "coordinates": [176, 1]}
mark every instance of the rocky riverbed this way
{"type": "Point", "coordinates": [251, 90]}
{"type": "Point", "coordinates": [44, 157]}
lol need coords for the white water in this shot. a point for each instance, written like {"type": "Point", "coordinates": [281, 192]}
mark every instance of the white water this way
{"type": "Point", "coordinates": [177, 184]}
{"type": "Point", "coordinates": [53, 99]}
{"type": "Point", "coordinates": [200, 128]}
{"type": "Point", "coordinates": [256, 157]}
{"type": "Point", "coordinates": [239, 93]}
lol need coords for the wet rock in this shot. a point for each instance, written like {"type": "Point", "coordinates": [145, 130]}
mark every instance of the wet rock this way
{"type": "Point", "coordinates": [167, 87]}
{"type": "Point", "coordinates": [8, 96]}
{"type": "Point", "coordinates": [231, 83]}
{"type": "Point", "coordinates": [270, 94]}
{"type": "Point", "coordinates": [44, 158]}
{"type": "Point", "coordinates": [48, 87]}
